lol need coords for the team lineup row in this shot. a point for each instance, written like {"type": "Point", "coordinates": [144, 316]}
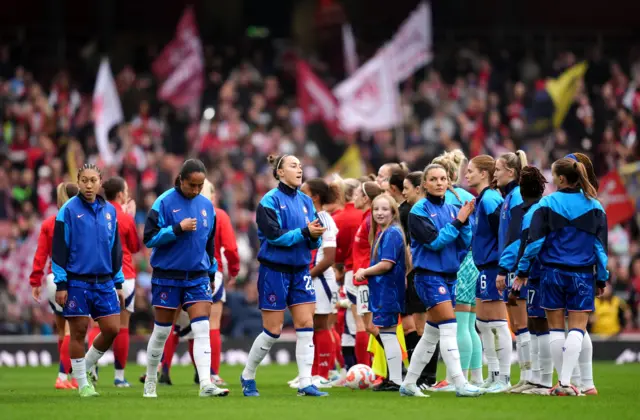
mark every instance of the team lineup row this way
{"type": "Point", "coordinates": [434, 263]}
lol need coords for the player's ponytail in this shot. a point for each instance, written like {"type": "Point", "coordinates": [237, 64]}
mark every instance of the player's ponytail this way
{"type": "Point", "coordinates": [588, 165]}
{"type": "Point", "coordinates": [515, 161]}
{"type": "Point", "coordinates": [65, 191]}
{"type": "Point", "coordinates": [583, 181]}
{"type": "Point", "coordinates": [576, 175]}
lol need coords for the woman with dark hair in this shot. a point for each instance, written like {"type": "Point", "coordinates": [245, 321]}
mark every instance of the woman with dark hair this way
{"type": "Point", "coordinates": [289, 229]}
{"type": "Point", "coordinates": [180, 227]}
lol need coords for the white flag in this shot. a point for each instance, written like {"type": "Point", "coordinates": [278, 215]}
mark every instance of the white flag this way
{"type": "Point", "coordinates": [369, 98]}
{"type": "Point", "coordinates": [106, 109]}
{"type": "Point", "coordinates": [412, 45]}
{"type": "Point", "coordinates": [349, 49]}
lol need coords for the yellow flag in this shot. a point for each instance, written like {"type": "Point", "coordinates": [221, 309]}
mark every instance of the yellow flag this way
{"type": "Point", "coordinates": [379, 363]}
{"type": "Point", "coordinates": [350, 163]}
{"type": "Point", "coordinates": [563, 90]}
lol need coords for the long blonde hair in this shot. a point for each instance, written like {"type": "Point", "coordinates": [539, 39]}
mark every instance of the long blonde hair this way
{"type": "Point", "coordinates": [395, 221]}
{"type": "Point", "coordinates": [208, 189]}
{"type": "Point", "coordinates": [515, 161]}
{"type": "Point", "coordinates": [452, 162]}
{"type": "Point", "coordinates": [65, 191]}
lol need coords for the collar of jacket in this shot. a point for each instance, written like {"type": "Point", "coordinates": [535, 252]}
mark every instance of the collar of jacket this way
{"type": "Point", "coordinates": [482, 193]}
{"type": "Point", "coordinates": [571, 190]}
{"type": "Point", "coordinates": [435, 199]}
{"type": "Point", "coordinates": [528, 202]}
{"type": "Point", "coordinates": [287, 189]}
{"type": "Point", "coordinates": [177, 188]}
{"type": "Point", "coordinates": [509, 187]}
{"type": "Point", "coordinates": [101, 201]}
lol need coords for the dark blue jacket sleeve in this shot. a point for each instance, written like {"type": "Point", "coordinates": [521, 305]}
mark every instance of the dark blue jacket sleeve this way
{"type": "Point", "coordinates": [424, 231]}
{"type": "Point", "coordinates": [60, 249]}
{"type": "Point", "coordinates": [538, 232]}
{"type": "Point", "coordinates": [601, 250]}
{"type": "Point", "coordinates": [269, 224]}
{"type": "Point", "coordinates": [211, 250]}
{"type": "Point", "coordinates": [116, 258]}
{"type": "Point", "coordinates": [510, 254]}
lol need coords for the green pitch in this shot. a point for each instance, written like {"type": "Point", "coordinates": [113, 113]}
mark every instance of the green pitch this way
{"type": "Point", "coordinates": [28, 393]}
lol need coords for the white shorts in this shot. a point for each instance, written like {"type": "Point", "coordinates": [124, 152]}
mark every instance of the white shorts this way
{"type": "Point", "coordinates": [129, 289]}
{"type": "Point", "coordinates": [326, 295]}
{"type": "Point", "coordinates": [349, 287]}
{"type": "Point", "coordinates": [362, 300]}
{"type": "Point", "coordinates": [50, 294]}
{"type": "Point", "coordinates": [349, 334]}
{"type": "Point", "coordinates": [219, 294]}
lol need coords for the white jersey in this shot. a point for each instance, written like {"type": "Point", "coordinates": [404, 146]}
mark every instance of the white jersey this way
{"type": "Point", "coordinates": [328, 241]}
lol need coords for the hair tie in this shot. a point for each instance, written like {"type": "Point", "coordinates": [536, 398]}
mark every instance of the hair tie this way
{"type": "Point", "coordinates": [572, 156]}
{"type": "Point", "coordinates": [280, 161]}
{"type": "Point", "coordinates": [364, 191]}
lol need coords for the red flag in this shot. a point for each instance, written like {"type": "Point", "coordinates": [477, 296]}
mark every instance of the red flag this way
{"type": "Point", "coordinates": [614, 198]}
{"type": "Point", "coordinates": [316, 100]}
{"type": "Point", "coordinates": [180, 65]}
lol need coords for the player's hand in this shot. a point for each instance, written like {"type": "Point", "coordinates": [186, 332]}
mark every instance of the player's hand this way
{"type": "Point", "coordinates": [466, 210]}
{"type": "Point", "coordinates": [512, 300]}
{"type": "Point", "coordinates": [130, 208]}
{"type": "Point", "coordinates": [519, 282]}
{"type": "Point", "coordinates": [316, 229]}
{"type": "Point", "coordinates": [120, 293]}
{"type": "Point", "coordinates": [231, 282]}
{"type": "Point", "coordinates": [35, 293]}
{"type": "Point", "coordinates": [501, 282]}
{"type": "Point", "coordinates": [360, 274]}
{"type": "Point", "coordinates": [61, 297]}
{"type": "Point", "coordinates": [188, 225]}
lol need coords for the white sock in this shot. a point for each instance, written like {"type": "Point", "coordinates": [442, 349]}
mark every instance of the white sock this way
{"type": "Point", "coordinates": [202, 349]}
{"type": "Point", "coordinates": [586, 363]}
{"type": "Point", "coordinates": [155, 348]}
{"type": "Point", "coordinates": [572, 347]}
{"type": "Point", "coordinates": [79, 368]}
{"type": "Point", "coordinates": [119, 376]}
{"type": "Point", "coordinates": [92, 357]}
{"type": "Point", "coordinates": [394, 356]}
{"type": "Point", "coordinates": [575, 375]}
{"type": "Point", "coordinates": [556, 343]}
{"type": "Point", "coordinates": [524, 354]}
{"type": "Point", "coordinates": [535, 359]}
{"type": "Point", "coordinates": [504, 346]}
{"type": "Point", "coordinates": [259, 350]}
{"type": "Point", "coordinates": [489, 346]}
{"type": "Point", "coordinates": [546, 365]}
{"type": "Point", "coordinates": [422, 353]}
{"type": "Point", "coordinates": [476, 376]}
{"type": "Point", "coordinates": [450, 353]}
{"type": "Point", "coordinates": [62, 376]}
{"type": "Point", "coordinates": [304, 355]}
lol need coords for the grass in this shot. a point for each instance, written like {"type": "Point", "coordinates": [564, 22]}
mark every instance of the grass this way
{"type": "Point", "coordinates": [28, 393]}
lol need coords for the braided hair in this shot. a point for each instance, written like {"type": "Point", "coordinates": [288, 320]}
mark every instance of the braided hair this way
{"type": "Point", "coordinates": [89, 166]}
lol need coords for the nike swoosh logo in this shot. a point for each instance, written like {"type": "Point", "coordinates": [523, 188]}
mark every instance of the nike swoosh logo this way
{"type": "Point", "coordinates": [262, 348]}
{"type": "Point", "coordinates": [156, 355]}
{"type": "Point", "coordinates": [80, 215]}
{"type": "Point", "coordinates": [175, 211]}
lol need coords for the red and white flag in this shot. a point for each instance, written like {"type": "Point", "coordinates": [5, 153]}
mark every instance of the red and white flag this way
{"type": "Point", "coordinates": [369, 98]}
{"type": "Point", "coordinates": [349, 49]}
{"type": "Point", "coordinates": [315, 99]}
{"type": "Point", "coordinates": [180, 65]}
{"type": "Point", "coordinates": [107, 110]}
{"type": "Point", "coordinates": [613, 196]}
{"type": "Point", "coordinates": [412, 45]}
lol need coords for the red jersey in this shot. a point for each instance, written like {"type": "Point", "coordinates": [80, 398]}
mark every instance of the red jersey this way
{"type": "Point", "coordinates": [226, 238]}
{"type": "Point", "coordinates": [362, 248]}
{"type": "Point", "coordinates": [128, 239]}
{"type": "Point", "coordinates": [43, 252]}
{"type": "Point", "coordinates": [347, 220]}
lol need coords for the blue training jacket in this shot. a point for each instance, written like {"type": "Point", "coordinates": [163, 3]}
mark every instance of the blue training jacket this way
{"type": "Point", "coordinates": [439, 241]}
{"type": "Point", "coordinates": [282, 217]}
{"type": "Point", "coordinates": [568, 231]}
{"type": "Point", "coordinates": [509, 232]}
{"type": "Point", "coordinates": [180, 255]}
{"type": "Point", "coordinates": [529, 208]}
{"type": "Point", "coordinates": [86, 244]}
{"type": "Point", "coordinates": [486, 227]}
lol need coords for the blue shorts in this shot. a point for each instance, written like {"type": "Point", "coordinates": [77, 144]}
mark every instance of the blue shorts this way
{"type": "Point", "coordinates": [486, 289]}
{"type": "Point", "coordinates": [278, 290]}
{"type": "Point", "coordinates": [385, 319]}
{"type": "Point", "coordinates": [90, 299]}
{"type": "Point", "coordinates": [565, 290]}
{"type": "Point", "coordinates": [171, 297]}
{"type": "Point", "coordinates": [534, 310]}
{"type": "Point", "coordinates": [433, 289]}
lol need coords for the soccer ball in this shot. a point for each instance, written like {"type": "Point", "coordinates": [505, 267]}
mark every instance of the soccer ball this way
{"type": "Point", "coordinates": [360, 377]}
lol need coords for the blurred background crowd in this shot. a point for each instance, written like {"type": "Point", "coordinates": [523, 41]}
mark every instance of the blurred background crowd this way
{"type": "Point", "coordinates": [476, 96]}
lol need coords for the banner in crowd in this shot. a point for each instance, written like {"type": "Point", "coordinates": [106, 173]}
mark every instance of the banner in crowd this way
{"type": "Point", "coordinates": [350, 165]}
{"type": "Point", "coordinates": [180, 66]}
{"type": "Point", "coordinates": [106, 109]}
{"type": "Point", "coordinates": [20, 351]}
{"type": "Point", "coordinates": [315, 99]}
{"type": "Point", "coordinates": [630, 175]}
{"type": "Point", "coordinates": [614, 199]}
{"type": "Point", "coordinates": [349, 50]}
{"type": "Point", "coordinates": [411, 47]}
{"type": "Point", "coordinates": [369, 98]}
